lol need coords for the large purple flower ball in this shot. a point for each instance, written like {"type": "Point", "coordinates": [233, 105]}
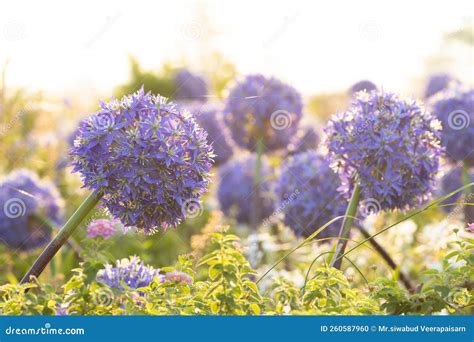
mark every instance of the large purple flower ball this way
{"type": "Point", "coordinates": [263, 107]}
{"type": "Point", "coordinates": [147, 157]}
{"type": "Point", "coordinates": [308, 195]}
{"type": "Point", "coordinates": [387, 144]}
{"type": "Point", "coordinates": [454, 107]}
{"type": "Point", "coordinates": [439, 82]}
{"type": "Point", "coordinates": [210, 118]}
{"type": "Point", "coordinates": [236, 191]}
{"type": "Point", "coordinates": [307, 138]}
{"type": "Point", "coordinates": [190, 86]}
{"type": "Point", "coordinates": [25, 201]}
{"type": "Point", "coordinates": [363, 85]}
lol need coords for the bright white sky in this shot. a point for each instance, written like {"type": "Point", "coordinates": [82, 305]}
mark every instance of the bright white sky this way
{"type": "Point", "coordinates": [66, 46]}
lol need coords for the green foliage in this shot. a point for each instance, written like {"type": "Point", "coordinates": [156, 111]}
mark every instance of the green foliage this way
{"type": "Point", "coordinates": [160, 82]}
{"type": "Point", "coordinates": [450, 288]}
{"type": "Point", "coordinates": [222, 283]}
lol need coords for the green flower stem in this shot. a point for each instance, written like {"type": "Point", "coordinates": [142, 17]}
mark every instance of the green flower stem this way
{"type": "Point", "coordinates": [52, 228]}
{"type": "Point", "coordinates": [388, 259]}
{"type": "Point", "coordinates": [468, 195]}
{"type": "Point", "coordinates": [69, 227]}
{"type": "Point", "coordinates": [256, 212]}
{"type": "Point", "coordinates": [346, 228]}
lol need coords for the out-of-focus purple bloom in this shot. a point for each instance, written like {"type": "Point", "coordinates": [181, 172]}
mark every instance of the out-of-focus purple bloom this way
{"type": "Point", "coordinates": [190, 86]}
{"type": "Point", "coordinates": [470, 228]}
{"type": "Point", "coordinates": [451, 181]}
{"type": "Point", "coordinates": [236, 191]}
{"type": "Point", "coordinates": [308, 195]}
{"type": "Point", "coordinates": [390, 144]}
{"type": "Point", "coordinates": [147, 157]}
{"type": "Point", "coordinates": [25, 200]}
{"type": "Point", "coordinates": [366, 85]}
{"type": "Point", "coordinates": [102, 227]}
{"type": "Point", "coordinates": [454, 107]}
{"type": "Point", "coordinates": [61, 310]}
{"type": "Point", "coordinates": [259, 106]}
{"type": "Point", "coordinates": [438, 82]}
{"type": "Point", "coordinates": [131, 271]}
{"type": "Point", "coordinates": [210, 118]}
{"type": "Point", "coordinates": [178, 277]}
{"type": "Point", "coordinates": [306, 139]}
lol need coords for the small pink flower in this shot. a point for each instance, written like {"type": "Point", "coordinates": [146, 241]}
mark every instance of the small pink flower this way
{"type": "Point", "coordinates": [102, 227]}
{"type": "Point", "coordinates": [470, 228]}
{"type": "Point", "coordinates": [178, 277]}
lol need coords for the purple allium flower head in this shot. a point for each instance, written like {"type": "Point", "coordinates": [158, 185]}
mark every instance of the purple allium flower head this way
{"type": "Point", "coordinates": [178, 277]}
{"type": "Point", "coordinates": [391, 144]}
{"type": "Point", "coordinates": [190, 86]}
{"type": "Point", "coordinates": [236, 189]}
{"type": "Point", "coordinates": [451, 181]}
{"type": "Point", "coordinates": [146, 157]}
{"type": "Point", "coordinates": [308, 195]}
{"type": "Point", "coordinates": [438, 82]}
{"type": "Point", "coordinates": [366, 85]}
{"type": "Point", "coordinates": [102, 227]}
{"type": "Point", "coordinates": [307, 138]}
{"type": "Point", "coordinates": [210, 118]}
{"type": "Point", "coordinates": [131, 272]}
{"type": "Point", "coordinates": [260, 106]}
{"type": "Point", "coordinates": [454, 107]}
{"type": "Point", "coordinates": [23, 198]}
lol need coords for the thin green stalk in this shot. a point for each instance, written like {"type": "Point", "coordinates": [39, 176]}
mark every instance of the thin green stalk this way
{"type": "Point", "coordinates": [468, 195]}
{"type": "Point", "coordinates": [52, 228]}
{"type": "Point", "coordinates": [346, 227]}
{"type": "Point", "coordinates": [69, 227]}
{"type": "Point", "coordinates": [256, 212]}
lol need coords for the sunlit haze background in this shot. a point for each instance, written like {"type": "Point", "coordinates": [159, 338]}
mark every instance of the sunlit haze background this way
{"type": "Point", "coordinates": [69, 48]}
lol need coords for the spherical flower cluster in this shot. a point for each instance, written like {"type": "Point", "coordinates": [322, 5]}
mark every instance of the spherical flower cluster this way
{"type": "Point", "coordinates": [236, 191]}
{"type": "Point", "coordinates": [366, 85]}
{"type": "Point", "coordinates": [101, 227]}
{"type": "Point", "coordinates": [439, 82]}
{"type": "Point", "coordinates": [390, 145]}
{"type": "Point", "coordinates": [451, 181]}
{"type": "Point", "coordinates": [178, 277]}
{"type": "Point", "coordinates": [146, 157]}
{"type": "Point", "coordinates": [263, 107]}
{"type": "Point", "coordinates": [454, 107]}
{"type": "Point", "coordinates": [210, 118]}
{"type": "Point", "coordinates": [25, 201]}
{"type": "Point", "coordinates": [306, 139]}
{"type": "Point", "coordinates": [190, 86]}
{"type": "Point", "coordinates": [308, 195]}
{"type": "Point", "coordinates": [131, 272]}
